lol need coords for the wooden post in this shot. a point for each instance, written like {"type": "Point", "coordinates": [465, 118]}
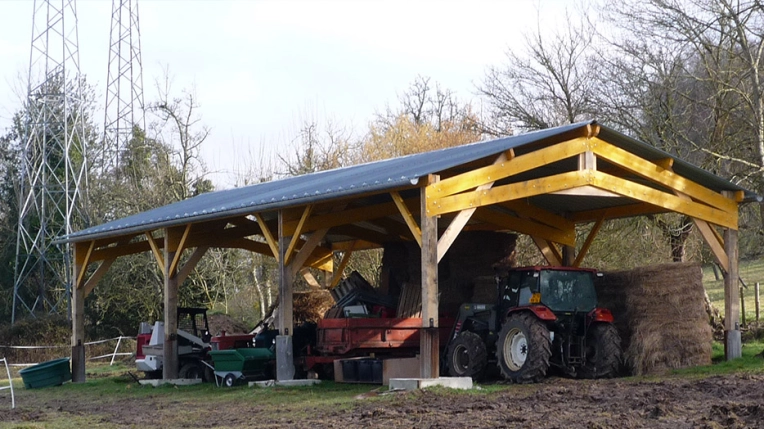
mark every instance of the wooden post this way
{"type": "Point", "coordinates": [742, 305]}
{"type": "Point", "coordinates": [170, 349]}
{"type": "Point", "coordinates": [568, 256]}
{"type": "Point", "coordinates": [284, 351]}
{"type": "Point", "coordinates": [78, 316]}
{"type": "Point", "coordinates": [732, 343]}
{"type": "Point", "coordinates": [757, 300]}
{"type": "Point", "coordinates": [429, 339]}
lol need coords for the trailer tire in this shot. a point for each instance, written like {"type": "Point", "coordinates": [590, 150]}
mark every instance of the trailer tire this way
{"type": "Point", "coordinates": [524, 348]}
{"type": "Point", "coordinates": [603, 352]}
{"type": "Point", "coordinates": [229, 380]}
{"type": "Point", "coordinates": [467, 356]}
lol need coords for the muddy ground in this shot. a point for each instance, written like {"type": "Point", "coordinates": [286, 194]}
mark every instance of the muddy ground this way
{"type": "Point", "coordinates": [735, 401]}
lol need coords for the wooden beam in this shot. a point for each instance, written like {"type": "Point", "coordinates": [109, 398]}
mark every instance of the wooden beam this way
{"type": "Point", "coordinates": [429, 337]}
{"type": "Point", "coordinates": [307, 249]}
{"type": "Point", "coordinates": [589, 240]}
{"type": "Point", "coordinates": [102, 269]}
{"type": "Point", "coordinates": [491, 173]}
{"type": "Point", "coordinates": [630, 210]}
{"type": "Point", "coordinates": [191, 263]}
{"type": "Point", "coordinates": [268, 236]}
{"type": "Point", "coordinates": [310, 278]}
{"type": "Point", "coordinates": [180, 249]}
{"type": "Point", "coordinates": [710, 236]}
{"type": "Point", "coordinates": [83, 264]}
{"type": "Point", "coordinates": [286, 286]}
{"type": "Point", "coordinates": [343, 263]}
{"type": "Point", "coordinates": [353, 215]}
{"type": "Point", "coordinates": [732, 344]}
{"type": "Point", "coordinates": [668, 201]}
{"type": "Point", "coordinates": [513, 191]}
{"type": "Point", "coordinates": [407, 217]}
{"type": "Point", "coordinates": [298, 231]}
{"type": "Point", "coordinates": [525, 226]}
{"type": "Point", "coordinates": [78, 314]}
{"type": "Point", "coordinates": [550, 252]}
{"type": "Point", "coordinates": [355, 244]}
{"type": "Point", "coordinates": [525, 209]}
{"type": "Point", "coordinates": [154, 249]}
{"type": "Point", "coordinates": [170, 348]}
{"type": "Point", "coordinates": [460, 221]}
{"type": "Point", "coordinates": [656, 173]}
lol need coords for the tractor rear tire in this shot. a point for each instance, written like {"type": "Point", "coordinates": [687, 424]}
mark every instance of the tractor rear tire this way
{"type": "Point", "coordinates": [467, 356]}
{"type": "Point", "coordinates": [603, 352]}
{"type": "Point", "coordinates": [523, 348]}
{"type": "Point", "coordinates": [191, 370]}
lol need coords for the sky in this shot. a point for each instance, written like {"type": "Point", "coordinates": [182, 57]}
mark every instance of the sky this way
{"type": "Point", "coordinates": [261, 68]}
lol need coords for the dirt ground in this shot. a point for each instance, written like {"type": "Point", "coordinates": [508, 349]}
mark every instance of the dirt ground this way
{"type": "Point", "coordinates": [735, 401]}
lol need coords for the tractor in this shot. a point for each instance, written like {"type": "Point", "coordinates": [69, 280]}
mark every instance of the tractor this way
{"type": "Point", "coordinates": [543, 316]}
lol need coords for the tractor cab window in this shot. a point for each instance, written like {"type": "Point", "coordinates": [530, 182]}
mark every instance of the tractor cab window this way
{"type": "Point", "coordinates": [568, 290]}
{"type": "Point", "coordinates": [519, 288]}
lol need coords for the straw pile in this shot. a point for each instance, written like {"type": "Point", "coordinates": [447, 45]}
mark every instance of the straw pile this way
{"type": "Point", "coordinates": [311, 306]}
{"type": "Point", "coordinates": [659, 312]}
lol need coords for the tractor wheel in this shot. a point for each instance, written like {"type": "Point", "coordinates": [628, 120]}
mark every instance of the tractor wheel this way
{"type": "Point", "coordinates": [191, 370]}
{"type": "Point", "coordinates": [229, 380]}
{"type": "Point", "coordinates": [603, 352]}
{"type": "Point", "coordinates": [523, 349]}
{"type": "Point", "coordinates": [467, 356]}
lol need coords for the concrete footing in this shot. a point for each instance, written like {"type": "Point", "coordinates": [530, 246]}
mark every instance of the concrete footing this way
{"type": "Point", "coordinates": [175, 382]}
{"type": "Point", "coordinates": [733, 345]}
{"type": "Point", "coordinates": [423, 383]}
{"type": "Point", "coordinates": [283, 383]}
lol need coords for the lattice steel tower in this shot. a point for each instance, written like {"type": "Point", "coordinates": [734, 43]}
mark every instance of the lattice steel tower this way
{"type": "Point", "coordinates": [124, 91]}
{"type": "Point", "coordinates": [53, 162]}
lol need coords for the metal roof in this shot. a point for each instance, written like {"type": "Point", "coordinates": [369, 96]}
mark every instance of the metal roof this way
{"type": "Point", "coordinates": [374, 177]}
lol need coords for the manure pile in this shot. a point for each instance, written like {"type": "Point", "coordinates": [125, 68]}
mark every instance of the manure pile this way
{"type": "Point", "coordinates": [659, 312]}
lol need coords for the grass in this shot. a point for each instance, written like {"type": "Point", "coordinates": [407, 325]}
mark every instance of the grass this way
{"type": "Point", "coordinates": [750, 271]}
{"type": "Point", "coordinates": [751, 362]}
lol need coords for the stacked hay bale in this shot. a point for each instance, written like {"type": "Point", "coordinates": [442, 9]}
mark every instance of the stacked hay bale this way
{"type": "Point", "coordinates": [659, 312]}
{"type": "Point", "coordinates": [310, 306]}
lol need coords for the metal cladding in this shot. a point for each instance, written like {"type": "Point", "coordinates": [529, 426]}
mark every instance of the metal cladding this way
{"type": "Point", "coordinates": [370, 178]}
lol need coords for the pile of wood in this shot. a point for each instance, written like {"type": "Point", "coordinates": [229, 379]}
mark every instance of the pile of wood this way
{"type": "Point", "coordinates": [410, 301]}
{"type": "Point", "coordinates": [660, 313]}
{"type": "Point", "coordinates": [310, 306]}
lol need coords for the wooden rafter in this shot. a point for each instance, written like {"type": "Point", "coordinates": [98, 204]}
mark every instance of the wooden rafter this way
{"type": "Point", "coordinates": [296, 234]}
{"type": "Point", "coordinates": [310, 278]}
{"type": "Point", "coordinates": [102, 269]}
{"type": "Point", "coordinates": [180, 249]}
{"type": "Point", "coordinates": [637, 209]}
{"type": "Point", "coordinates": [527, 210]}
{"type": "Point", "coordinates": [589, 240]}
{"type": "Point", "coordinates": [549, 250]}
{"type": "Point", "coordinates": [343, 263]}
{"type": "Point", "coordinates": [84, 265]}
{"type": "Point", "coordinates": [460, 221]}
{"type": "Point", "coordinates": [525, 226]}
{"type": "Point", "coordinates": [407, 217]}
{"type": "Point", "coordinates": [272, 243]}
{"type": "Point", "coordinates": [479, 176]}
{"type": "Point", "coordinates": [353, 215]}
{"type": "Point", "coordinates": [190, 264]}
{"type": "Point", "coordinates": [307, 249]}
{"type": "Point", "coordinates": [155, 249]}
{"type": "Point", "coordinates": [341, 246]}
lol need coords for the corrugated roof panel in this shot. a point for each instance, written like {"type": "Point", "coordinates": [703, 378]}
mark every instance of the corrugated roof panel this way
{"type": "Point", "coordinates": [358, 179]}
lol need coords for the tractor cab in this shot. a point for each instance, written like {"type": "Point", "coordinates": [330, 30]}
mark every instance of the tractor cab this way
{"type": "Point", "coordinates": [562, 290]}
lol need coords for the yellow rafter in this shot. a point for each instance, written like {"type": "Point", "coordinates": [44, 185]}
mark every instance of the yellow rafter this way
{"type": "Point", "coordinates": [513, 191]}
{"type": "Point", "coordinates": [297, 233]}
{"type": "Point", "coordinates": [589, 240]}
{"type": "Point", "coordinates": [617, 212]}
{"type": "Point", "coordinates": [668, 201]}
{"type": "Point", "coordinates": [525, 226]}
{"type": "Point", "coordinates": [407, 217]}
{"type": "Point", "coordinates": [268, 236]}
{"type": "Point", "coordinates": [523, 208]}
{"type": "Point", "coordinates": [494, 172]}
{"type": "Point", "coordinates": [659, 174]}
{"type": "Point", "coordinates": [549, 250]}
{"type": "Point", "coordinates": [84, 265]}
{"type": "Point", "coordinates": [343, 263]}
{"type": "Point", "coordinates": [180, 249]}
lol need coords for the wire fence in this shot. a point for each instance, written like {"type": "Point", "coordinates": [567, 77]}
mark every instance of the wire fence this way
{"type": "Point", "coordinates": [27, 355]}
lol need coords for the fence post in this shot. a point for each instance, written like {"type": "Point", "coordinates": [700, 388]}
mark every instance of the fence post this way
{"type": "Point", "coordinates": [116, 349]}
{"type": "Point", "coordinates": [757, 300]}
{"type": "Point", "coordinates": [742, 305]}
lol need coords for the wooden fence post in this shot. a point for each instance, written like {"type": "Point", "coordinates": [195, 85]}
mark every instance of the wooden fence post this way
{"type": "Point", "coordinates": [757, 300]}
{"type": "Point", "coordinates": [742, 305]}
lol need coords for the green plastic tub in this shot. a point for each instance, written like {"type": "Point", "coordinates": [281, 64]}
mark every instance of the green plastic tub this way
{"type": "Point", "coordinates": [51, 373]}
{"type": "Point", "coordinates": [246, 361]}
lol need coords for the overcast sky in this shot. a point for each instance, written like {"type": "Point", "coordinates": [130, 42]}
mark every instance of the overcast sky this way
{"type": "Point", "coordinates": [260, 67]}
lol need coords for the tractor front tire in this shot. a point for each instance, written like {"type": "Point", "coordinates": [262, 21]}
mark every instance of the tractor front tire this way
{"type": "Point", "coordinates": [523, 348]}
{"type": "Point", "coordinates": [467, 356]}
{"type": "Point", "coordinates": [603, 352]}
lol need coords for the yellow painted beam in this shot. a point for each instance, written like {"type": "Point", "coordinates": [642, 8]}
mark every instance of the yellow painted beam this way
{"type": "Point", "coordinates": [519, 164]}
{"type": "Point", "coordinates": [296, 234]}
{"type": "Point", "coordinates": [194, 259]}
{"type": "Point", "coordinates": [84, 265]}
{"type": "Point", "coordinates": [668, 201]}
{"type": "Point", "coordinates": [155, 250]}
{"type": "Point", "coordinates": [525, 226]}
{"type": "Point", "coordinates": [180, 249]}
{"type": "Point", "coordinates": [268, 236]}
{"type": "Point", "coordinates": [550, 252]}
{"type": "Point", "coordinates": [97, 275]}
{"type": "Point", "coordinates": [631, 210]}
{"type": "Point", "coordinates": [661, 175]}
{"type": "Point", "coordinates": [407, 217]}
{"type": "Point", "coordinates": [513, 191]}
{"type": "Point", "coordinates": [343, 263]}
{"type": "Point", "coordinates": [589, 240]}
{"type": "Point", "coordinates": [341, 246]}
{"type": "Point", "coordinates": [353, 215]}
